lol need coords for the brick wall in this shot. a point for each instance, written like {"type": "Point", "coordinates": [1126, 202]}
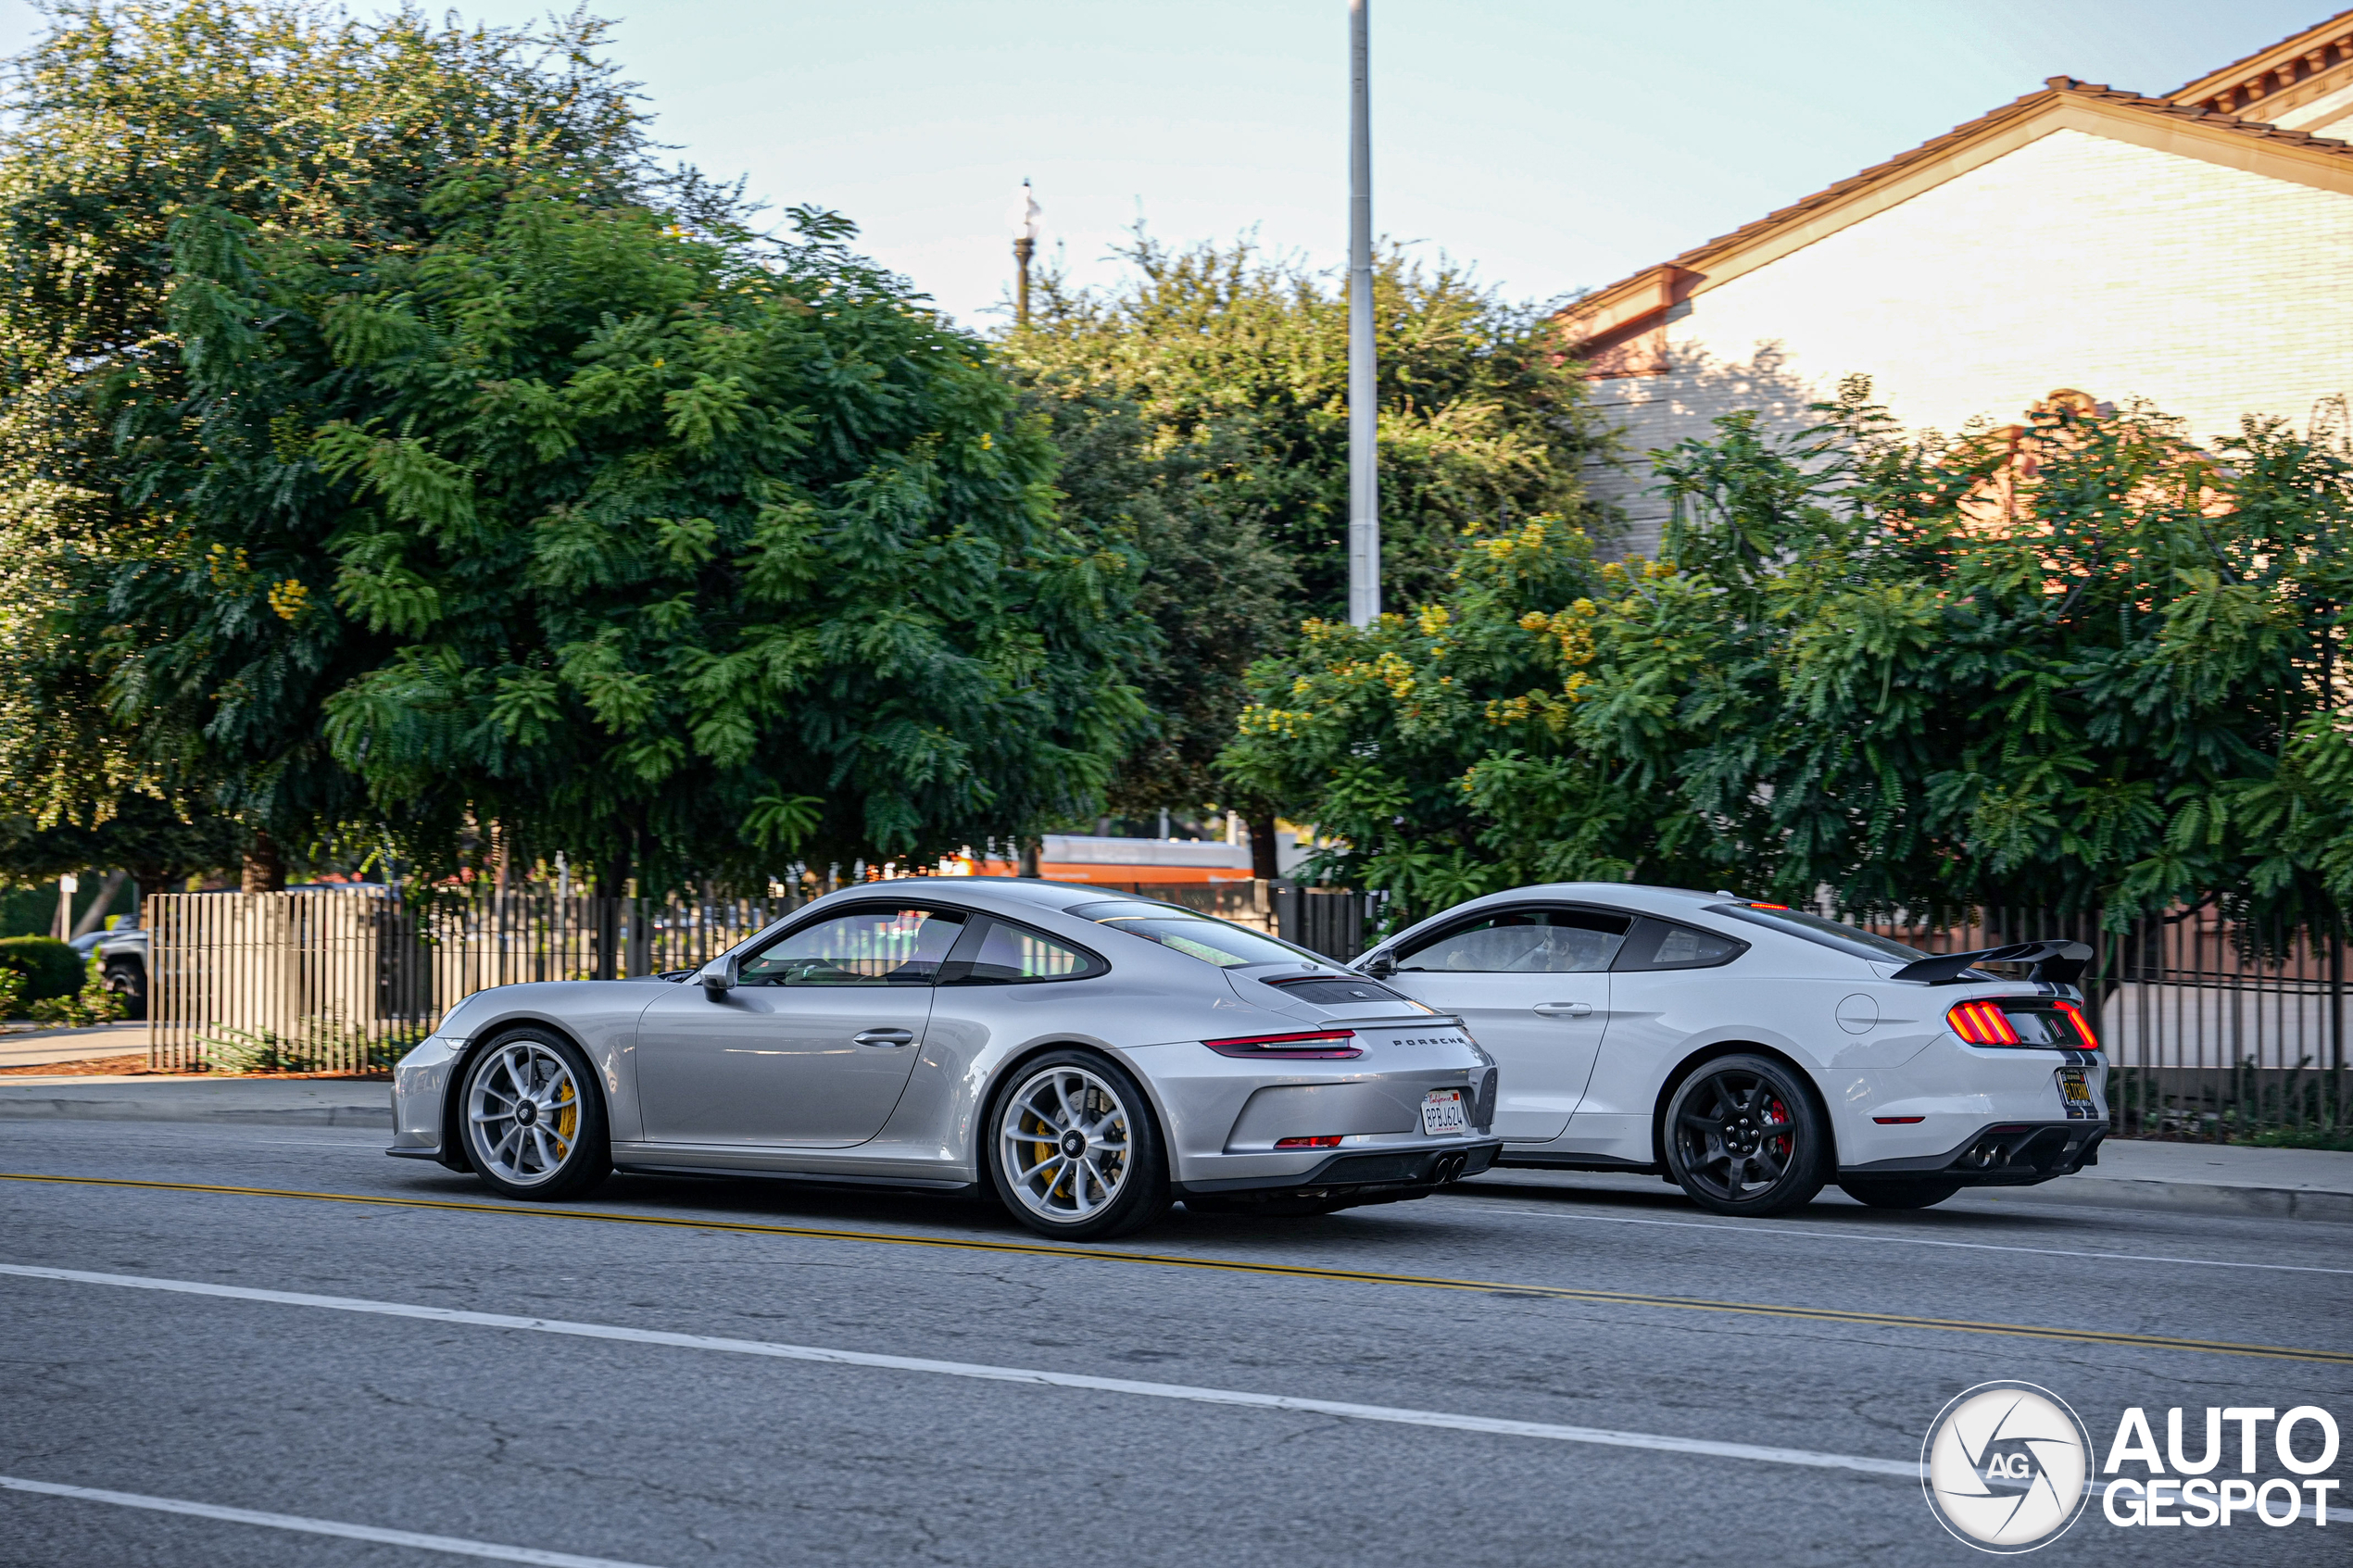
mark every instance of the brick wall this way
{"type": "Point", "coordinates": [2074, 261]}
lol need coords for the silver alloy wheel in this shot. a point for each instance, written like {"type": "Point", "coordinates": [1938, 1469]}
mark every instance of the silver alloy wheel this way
{"type": "Point", "coordinates": [1064, 1142]}
{"type": "Point", "coordinates": [525, 1111]}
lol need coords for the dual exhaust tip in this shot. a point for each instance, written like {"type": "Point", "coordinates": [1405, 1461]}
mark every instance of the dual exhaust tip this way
{"type": "Point", "coordinates": [1447, 1167]}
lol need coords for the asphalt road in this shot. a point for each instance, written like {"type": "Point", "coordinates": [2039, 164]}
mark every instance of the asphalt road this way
{"type": "Point", "coordinates": [584, 1389]}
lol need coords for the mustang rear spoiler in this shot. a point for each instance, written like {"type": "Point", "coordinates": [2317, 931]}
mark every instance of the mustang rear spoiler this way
{"type": "Point", "coordinates": [2061, 963]}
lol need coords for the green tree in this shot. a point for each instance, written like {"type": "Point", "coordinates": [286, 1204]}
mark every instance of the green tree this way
{"type": "Point", "coordinates": [2089, 667]}
{"type": "Point", "coordinates": [420, 452]}
{"type": "Point", "coordinates": [1201, 406]}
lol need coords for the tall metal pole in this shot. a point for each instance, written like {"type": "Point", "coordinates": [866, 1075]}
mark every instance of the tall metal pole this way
{"type": "Point", "coordinates": [1025, 246]}
{"type": "Point", "coordinates": [1364, 408]}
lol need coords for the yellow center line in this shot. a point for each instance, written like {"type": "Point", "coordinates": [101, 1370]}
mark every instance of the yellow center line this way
{"type": "Point", "coordinates": [1243, 1266]}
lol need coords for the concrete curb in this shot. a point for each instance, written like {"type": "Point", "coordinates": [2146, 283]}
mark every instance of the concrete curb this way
{"type": "Point", "coordinates": [266, 1103]}
{"type": "Point", "coordinates": [2276, 1203]}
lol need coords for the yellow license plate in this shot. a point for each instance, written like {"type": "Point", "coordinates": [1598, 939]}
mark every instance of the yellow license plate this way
{"type": "Point", "coordinates": [2073, 1089]}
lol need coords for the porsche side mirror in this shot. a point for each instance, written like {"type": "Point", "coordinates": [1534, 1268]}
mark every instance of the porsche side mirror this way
{"type": "Point", "coordinates": [1380, 966]}
{"type": "Point", "coordinates": [721, 976]}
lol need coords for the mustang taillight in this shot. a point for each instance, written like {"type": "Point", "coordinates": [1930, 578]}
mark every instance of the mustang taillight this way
{"type": "Point", "coordinates": [2082, 1024]}
{"type": "Point", "coordinates": [2049, 1024]}
{"type": "Point", "coordinates": [1981, 1024]}
{"type": "Point", "coordinates": [1315, 1045]}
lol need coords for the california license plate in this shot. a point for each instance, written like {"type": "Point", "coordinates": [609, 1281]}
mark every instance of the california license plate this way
{"type": "Point", "coordinates": [2075, 1093]}
{"type": "Point", "coordinates": [1445, 1113]}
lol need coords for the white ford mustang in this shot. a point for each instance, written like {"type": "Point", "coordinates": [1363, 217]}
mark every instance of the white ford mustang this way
{"type": "Point", "coordinates": [1751, 1052]}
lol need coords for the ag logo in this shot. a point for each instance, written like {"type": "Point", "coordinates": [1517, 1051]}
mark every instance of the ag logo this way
{"type": "Point", "coordinates": [2003, 1467]}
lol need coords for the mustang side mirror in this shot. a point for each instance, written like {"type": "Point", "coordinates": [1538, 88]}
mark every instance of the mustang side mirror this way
{"type": "Point", "coordinates": [1380, 966]}
{"type": "Point", "coordinates": [721, 976]}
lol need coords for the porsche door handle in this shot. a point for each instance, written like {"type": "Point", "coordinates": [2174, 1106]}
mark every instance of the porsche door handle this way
{"type": "Point", "coordinates": [884, 1037]}
{"type": "Point", "coordinates": [1563, 1009]}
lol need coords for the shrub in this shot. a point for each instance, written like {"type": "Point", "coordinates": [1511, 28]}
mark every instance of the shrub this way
{"type": "Point", "coordinates": [96, 1002]}
{"type": "Point", "coordinates": [11, 990]}
{"type": "Point", "coordinates": [50, 967]}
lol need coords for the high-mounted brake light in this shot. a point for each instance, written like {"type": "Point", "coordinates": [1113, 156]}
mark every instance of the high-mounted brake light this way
{"type": "Point", "coordinates": [1981, 1024]}
{"type": "Point", "coordinates": [2083, 1025]}
{"type": "Point", "coordinates": [1329, 1140]}
{"type": "Point", "coordinates": [1316, 1045]}
{"type": "Point", "coordinates": [1783, 908]}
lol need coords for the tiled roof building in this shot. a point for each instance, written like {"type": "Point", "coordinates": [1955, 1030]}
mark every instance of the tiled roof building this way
{"type": "Point", "coordinates": [2195, 250]}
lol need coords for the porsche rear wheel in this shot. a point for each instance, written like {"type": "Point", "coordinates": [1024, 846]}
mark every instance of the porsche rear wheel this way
{"type": "Point", "coordinates": [1073, 1149]}
{"type": "Point", "coordinates": [1743, 1136]}
{"type": "Point", "coordinates": [530, 1118]}
{"type": "Point", "coordinates": [1900, 1194]}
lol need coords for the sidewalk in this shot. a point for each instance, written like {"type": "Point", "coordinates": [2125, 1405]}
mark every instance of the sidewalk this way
{"type": "Point", "coordinates": [35, 1048]}
{"type": "Point", "coordinates": [268, 1102]}
{"type": "Point", "coordinates": [2302, 1184]}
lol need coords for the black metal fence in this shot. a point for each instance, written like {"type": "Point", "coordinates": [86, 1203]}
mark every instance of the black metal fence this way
{"type": "Point", "coordinates": [2217, 1029]}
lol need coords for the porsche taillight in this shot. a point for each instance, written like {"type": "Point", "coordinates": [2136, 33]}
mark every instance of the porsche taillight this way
{"type": "Point", "coordinates": [1318, 1045]}
{"type": "Point", "coordinates": [1981, 1024]}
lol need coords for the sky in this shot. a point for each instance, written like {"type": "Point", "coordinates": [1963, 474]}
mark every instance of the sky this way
{"type": "Point", "coordinates": [1554, 144]}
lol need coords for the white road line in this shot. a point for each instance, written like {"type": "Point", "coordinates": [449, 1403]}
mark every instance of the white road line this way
{"type": "Point", "coordinates": [1908, 1470]}
{"type": "Point", "coordinates": [1905, 1469]}
{"type": "Point", "coordinates": [453, 1545]}
{"type": "Point", "coordinates": [1922, 1241]}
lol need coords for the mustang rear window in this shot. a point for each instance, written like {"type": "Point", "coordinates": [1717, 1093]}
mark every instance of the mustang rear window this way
{"type": "Point", "coordinates": [1814, 928]}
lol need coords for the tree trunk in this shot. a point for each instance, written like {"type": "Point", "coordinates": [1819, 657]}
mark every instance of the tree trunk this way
{"type": "Point", "coordinates": [96, 912]}
{"type": "Point", "coordinates": [1266, 864]}
{"type": "Point", "coordinates": [265, 866]}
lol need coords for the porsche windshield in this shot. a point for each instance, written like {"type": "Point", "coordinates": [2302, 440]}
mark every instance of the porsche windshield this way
{"type": "Point", "coordinates": [1196, 935]}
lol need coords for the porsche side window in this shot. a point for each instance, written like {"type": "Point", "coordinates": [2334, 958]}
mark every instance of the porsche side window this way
{"type": "Point", "coordinates": [1001, 954]}
{"type": "Point", "coordinates": [1655, 944]}
{"type": "Point", "coordinates": [863, 947]}
{"type": "Point", "coordinates": [1524, 942]}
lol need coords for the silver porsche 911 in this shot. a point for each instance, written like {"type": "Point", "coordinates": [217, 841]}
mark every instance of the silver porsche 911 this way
{"type": "Point", "coordinates": [1089, 1057]}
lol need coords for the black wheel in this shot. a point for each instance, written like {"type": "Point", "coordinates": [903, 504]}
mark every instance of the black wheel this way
{"type": "Point", "coordinates": [1743, 1136]}
{"type": "Point", "coordinates": [531, 1118]}
{"type": "Point", "coordinates": [1073, 1150]}
{"type": "Point", "coordinates": [127, 978]}
{"type": "Point", "coordinates": [1900, 1194]}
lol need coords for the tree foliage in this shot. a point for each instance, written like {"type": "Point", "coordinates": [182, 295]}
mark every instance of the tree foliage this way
{"type": "Point", "coordinates": [2084, 666]}
{"type": "Point", "coordinates": [392, 441]}
{"type": "Point", "coordinates": [1201, 406]}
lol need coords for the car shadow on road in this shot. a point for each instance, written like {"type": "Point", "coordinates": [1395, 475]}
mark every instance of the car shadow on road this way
{"type": "Point", "coordinates": [1833, 1211]}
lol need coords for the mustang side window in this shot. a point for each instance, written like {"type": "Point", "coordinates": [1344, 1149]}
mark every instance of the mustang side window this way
{"type": "Point", "coordinates": [863, 947]}
{"type": "Point", "coordinates": [1658, 945]}
{"type": "Point", "coordinates": [1524, 942]}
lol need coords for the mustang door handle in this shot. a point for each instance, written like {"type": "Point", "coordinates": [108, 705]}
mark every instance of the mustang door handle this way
{"type": "Point", "coordinates": [1563, 1009]}
{"type": "Point", "coordinates": [884, 1037]}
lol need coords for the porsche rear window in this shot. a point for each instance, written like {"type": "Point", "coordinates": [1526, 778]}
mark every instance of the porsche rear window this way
{"type": "Point", "coordinates": [1195, 936]}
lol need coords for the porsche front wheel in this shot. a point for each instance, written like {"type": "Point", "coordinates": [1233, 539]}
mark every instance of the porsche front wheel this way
{"type": "Point", "coordinates": [530, 1118]}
